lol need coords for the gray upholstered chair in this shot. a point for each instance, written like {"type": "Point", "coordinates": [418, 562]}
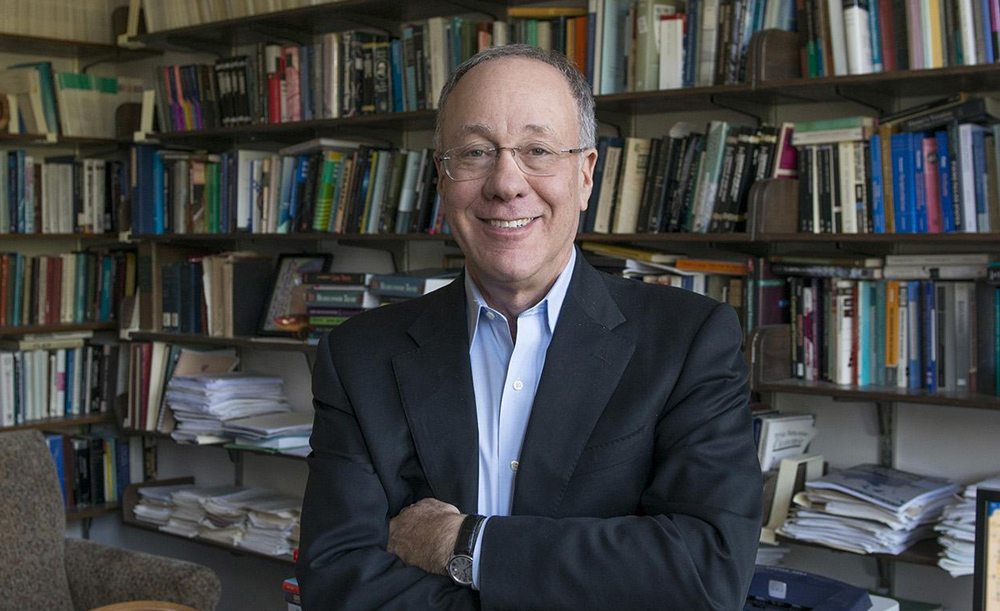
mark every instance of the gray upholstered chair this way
{"type": "Point", "coordinates": [41, 569]}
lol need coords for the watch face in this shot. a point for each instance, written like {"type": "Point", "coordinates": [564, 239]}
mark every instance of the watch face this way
{"type": "Point", "coordinates": [460, 569]}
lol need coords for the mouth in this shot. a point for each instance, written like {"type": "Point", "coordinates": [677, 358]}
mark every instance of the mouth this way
{"type": "Point", "coordinates": [511, 224]}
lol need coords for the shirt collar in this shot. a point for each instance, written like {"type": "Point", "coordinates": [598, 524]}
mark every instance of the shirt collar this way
{"type": "Point", "coordinates": [553, 300]}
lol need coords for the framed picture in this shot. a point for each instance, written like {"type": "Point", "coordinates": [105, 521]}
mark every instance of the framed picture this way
{"type": "Point", "coordinates": [285, 312]}
{"type": "Point", "coordinates": [986, 580]}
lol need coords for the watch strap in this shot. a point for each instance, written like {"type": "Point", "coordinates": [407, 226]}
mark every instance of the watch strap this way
{"type": "Point", "coordinates": [468, 532]}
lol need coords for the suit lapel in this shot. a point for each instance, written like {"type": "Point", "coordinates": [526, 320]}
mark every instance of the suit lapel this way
{"type": "Point", "coordinates": [583, 365]}
{"type": "Point", "coordinates": [435, 385]}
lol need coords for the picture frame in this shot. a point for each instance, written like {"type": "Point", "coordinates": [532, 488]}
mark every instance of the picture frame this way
{"type": "Point", "coordinates": [986, 576]}
{"type": "Point", "coordinates": [284, 313]}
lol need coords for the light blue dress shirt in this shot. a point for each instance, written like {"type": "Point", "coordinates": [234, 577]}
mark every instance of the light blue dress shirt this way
{"type": "Point", "coordinates": [505, 377]}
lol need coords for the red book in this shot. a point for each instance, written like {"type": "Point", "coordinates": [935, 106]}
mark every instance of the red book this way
{"type": "Point", "coordinates": [293, 91]}
{"type": "Point", "coordinates": [931, 190]}
{"type": "Point", "coordinates": [888, 37]}
{"type": "Point", "coordinates": [145, 368]}
{"type": "Point", "coordinates": [274, 97]}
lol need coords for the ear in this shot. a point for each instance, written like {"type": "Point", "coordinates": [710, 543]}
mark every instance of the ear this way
{"type": "Point", "coordinates": [587, 165]}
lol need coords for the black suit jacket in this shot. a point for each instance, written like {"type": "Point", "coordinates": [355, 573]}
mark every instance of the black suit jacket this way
{"type": "Point", "coordinates": [638, 485]}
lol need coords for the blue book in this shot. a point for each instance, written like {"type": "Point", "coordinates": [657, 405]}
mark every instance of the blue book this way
{"type": "Point", "coordinates": [691, 39]}
{"type": "Point", "coordinates": [864, 314]}
{"type": "Point", "coordinates": [305, 82]}
{"type": "Point", "coordinates": [157, 195]}
{"type": "Point", "coordinates": [55, 443]}
{"type": "Point", "coordinates": [396, 65]}
{"type": "Point", "coordinates": [122, 465]}
{"type": "Point", "coordinates": [903, 180]}
{"type": "Point", "coordinates": [301, 176]}
{"type": "Point", "coordinates": [981, 177]}
{"type": "Point", "coordinates": [928, 323]}
{"type": "Point", "coordinates": [68, 384]}
{"type": "Point", "coordinates": [107, 270]}
{"type": "Point", "coordinates": [944, 182]}
{"type": "Point", "coordinates": [987, 33]}
{"type": "Point", "coordinates": [919, 186]}
{"type": "Point", "coordinates": [287, 187]}
{"type": "Point", "coordinates": [876, 38]}
{"type": "Point", "coordinates": [914, 377]}
{"type": "Point", "coordinates": [879, 304]}
{"type": "Point", "coordinates": [22, 193]}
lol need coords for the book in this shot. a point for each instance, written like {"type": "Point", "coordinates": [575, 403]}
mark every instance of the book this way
{"type": "Point", "coordinates": [412, 283]}
{"type": "Point", "coordinates": [628, 252]}
{"type": "Point", "coordinates": [899, 491]}
{"type": "Point", "coordinates": [784, 435]}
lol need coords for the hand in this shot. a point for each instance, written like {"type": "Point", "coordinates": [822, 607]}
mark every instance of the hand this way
{"type": "Point", "coordinates": [424, 534]}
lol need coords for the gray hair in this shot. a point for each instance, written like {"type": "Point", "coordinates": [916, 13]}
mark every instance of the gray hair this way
{"type": "Point", "coordinates": [577, 82]}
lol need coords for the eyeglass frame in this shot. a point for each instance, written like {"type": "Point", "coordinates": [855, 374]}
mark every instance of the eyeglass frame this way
{"type": "Point", "coordinates": [514, 151]}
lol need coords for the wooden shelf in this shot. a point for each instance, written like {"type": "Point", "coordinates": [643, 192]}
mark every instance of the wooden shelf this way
{"type": "Point", "coordinates": [64, 237]}
{"type": "Point", "coordinates": [924, 552]}
{"type": "Point", "coordinates": [62, 328]}
{"type": "Point", "coordinates": [59, 47]}
{"type": "Point", "coordinates": [51, 423]}
{"type": "Point", "coordinates": [301, 23]}
{"type": "Point", "coordinates": [292, 237]}
{"type": "Point", "coordinates": [91, 511]}
{"type": "Point", "coordinates": [42, 140]}
{"type": "Point", "coordinates": [260, 343]}
{"type": "Point", "coordinates": [881, 394]}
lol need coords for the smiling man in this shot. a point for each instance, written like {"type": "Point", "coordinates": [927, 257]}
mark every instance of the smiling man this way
{"type": "Point", "coordinates": [537, 435]}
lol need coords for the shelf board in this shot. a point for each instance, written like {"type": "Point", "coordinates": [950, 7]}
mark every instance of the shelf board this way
{"type": "Point", "coordinates": [293, 237]}
{"type": "Point", "coordinates": [91, 511]}
{"type": "Point", "coordinates": [51, 423]}
{"type": "Point", "coordinates": [675, 100]}
{"type": "Point", "coordinates": [61, 328]}
{"type": "Point", "coordinates": [65, 237]}
{"type": "Point", "coordinates": [990, 240]}
{"type": "Point", "coordinates": [42, 140]}
{"type": "Point", "coordinates": [882, 394]}
{"type": "Point", "coordinates": [236, 550]}
{"type": "Point", "coordinates": [900, 83]}
{"type": "Point", "coordinates": [262, 343]}
{"type": "Point", "coordinates": [59, 47]}
{"type": "Point", "coordinates": [301, 23]}
{"type": "Point", "coordinates": [297, 131]}
{"type": "Point", "coordinates": [923, 552]}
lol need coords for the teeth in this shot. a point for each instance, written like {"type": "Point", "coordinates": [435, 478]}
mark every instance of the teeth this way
{"type": "Point", "coordinates": [510, 224]}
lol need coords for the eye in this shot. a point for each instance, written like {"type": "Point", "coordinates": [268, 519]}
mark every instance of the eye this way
{"type": "Point", "coordinates": [474, 151]}
{"type": "Point", "coordinates": [537, 150]}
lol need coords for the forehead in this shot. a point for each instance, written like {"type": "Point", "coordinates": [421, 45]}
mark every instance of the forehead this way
{"type": "Point", "coordinates": [511, 97]}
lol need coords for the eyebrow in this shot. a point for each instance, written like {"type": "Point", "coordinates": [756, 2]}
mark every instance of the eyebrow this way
{"type": "Point", "coordinates": [485, 130]}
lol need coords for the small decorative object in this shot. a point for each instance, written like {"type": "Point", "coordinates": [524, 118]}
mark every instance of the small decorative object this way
{"type": "Point", "coordinates": [285, 314]}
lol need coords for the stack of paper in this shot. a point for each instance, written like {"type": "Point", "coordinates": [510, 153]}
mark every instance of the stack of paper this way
{"type": "Point", "coordinates": [156, 504]}
{"type": "Point", "coordinates": [188, 512]}
{"type": "Point", "coordinates": [202, 403]}
{"type": "Point", "coordinates": [958, 530]}
{"type": "Point", "coordinates": [279, 431]}
{"type": "Point", "coordinates": [869, 509]}
{"type": "Point", "coordinates": [263, 518]}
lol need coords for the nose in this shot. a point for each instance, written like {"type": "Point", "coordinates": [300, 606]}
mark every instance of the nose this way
{"type": "Point", "coordinates": [507, 180]}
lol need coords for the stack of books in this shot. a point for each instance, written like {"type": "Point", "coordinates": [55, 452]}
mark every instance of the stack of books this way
{"type": "Point", "coordinates": [958, 530]}
{"type": "Point", "coordinates": [283, 431]}
{"type": "Point", "coordinates": [869, 509]}
{"type": "Point", "coordinates": [202, 403]}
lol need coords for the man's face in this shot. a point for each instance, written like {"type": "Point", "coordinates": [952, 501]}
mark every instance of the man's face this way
{"type": "Point", "coordinates": [516, 230]}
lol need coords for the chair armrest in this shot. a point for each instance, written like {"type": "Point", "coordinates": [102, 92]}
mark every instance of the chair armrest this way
{"type": "Point", "coordinates": [101, 575]}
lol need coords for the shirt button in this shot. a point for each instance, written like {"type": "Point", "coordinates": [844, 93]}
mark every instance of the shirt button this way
{"type": "Point", "coordinates": [490, 315]}
{"type": "Point", "coordinates": [518, 385]}
{"type": "Point", "coordinates": [513, 466]}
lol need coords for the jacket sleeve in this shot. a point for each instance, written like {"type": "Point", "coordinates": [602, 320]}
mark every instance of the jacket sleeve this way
{"type": "Point", "coordinates": [343, 562]}
{"type": "Point", "coordinates": [691, 544]}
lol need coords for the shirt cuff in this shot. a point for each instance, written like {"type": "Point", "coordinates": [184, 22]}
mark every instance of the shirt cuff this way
{"type": "Point", "coordinates": [476, 554]}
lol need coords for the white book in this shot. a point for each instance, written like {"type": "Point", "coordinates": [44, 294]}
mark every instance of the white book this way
{"type": "Point", "coordinates": [331, 68]}
{"type": "Point", "coordinates": [848, 205]}
{"type": "Point", "coordinates": [649, 43]}
{"type": "Point", "coordinates": [709, 26]}
{"type": "Point", "coordinates": [963, 309]}
{"type": "Point", "coordinates": [967, 178]}
{"type": "Point", "coordinates": [605, 199]}
{"type": "Point", "coordinates": [939, 259]}
{"type": "Point", "coordinates": [633, 173]}
{"type": "Point", "coordinates": [58, 398]}
{"type": "Point", "coordinates": [7, 389]}
{"type": "Point", "coordinates": [857, 33]}
{"type": "Point", "coordinates": [838, 42]}
{"type": "Point", "coordinates": [671, 59]}
{"type": "Point", "coordinates": [596, 8]}
{"type": "Point", "coordinates": [967, 32]}
{"type": "Point", "coordinates": [932, 272]}
{"type": "Point", "coordinates": [845, 350]}
{"type": "Point", "coordinates": [501, 33]}
{"type": "Point", "coordinates": [29, 194]}
{"type": "Point", "coordinates": [437, 59]}
{"type": "Point", "coordinates": [244, 176]}
{"type": "Point", "coordinates": [946, 358]}
{"type": "Point", "coordinates": [78, 395]}
{"type": "Point", "coordinates": [903, 331]}
{"type": "Point", "coordinates": [784, 435]}
{"type": "Point", "coordinates": [613, 47]}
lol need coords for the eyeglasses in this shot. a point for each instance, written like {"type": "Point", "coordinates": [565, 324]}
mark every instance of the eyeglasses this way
{"type": "Point", "coordinates": [474, 161]}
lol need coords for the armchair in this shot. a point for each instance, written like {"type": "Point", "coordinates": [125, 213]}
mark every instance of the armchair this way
{"type": "Point", "coordinates": [41, 569]}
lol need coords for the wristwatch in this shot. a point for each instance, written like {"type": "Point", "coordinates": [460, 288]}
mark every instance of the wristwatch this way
{"type": "Point", "coordinates": [460, 564]}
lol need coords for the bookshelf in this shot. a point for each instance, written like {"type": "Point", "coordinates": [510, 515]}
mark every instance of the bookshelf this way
{"type": "Point", "coordinates": [773, 86]}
